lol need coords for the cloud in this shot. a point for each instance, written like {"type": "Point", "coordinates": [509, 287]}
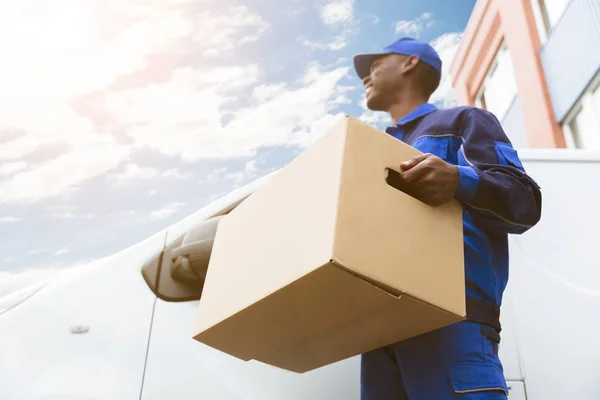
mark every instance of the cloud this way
{"type": "Point", "coordinates": [165, 117]}
{"type": "Point", "coordinates": [374, 19]}
{"type": "Point", "coordinates": [221, 33]}
{"type": "Point", "coordinates": [446, 45]}
{"type": "Point", "coordinates": [174, 173]}
{"type": "Point", "coordinates": [9, 219]}
{"type": "Point", "coordinates": [134, 171]}
{"type": "Point", "coordinates": [37, 251]}
{"type": "Point", "coordinates": [12, 167]}
{"type": "Point", "coordinates": [378, 119]}
{"type": "Point", "coordinates": [250, 170]}
{"type": "Point", "coordinates": [337, 11]}
{"type": "Point", "coordinates": [214, 176]}
{"type": "Point", "coordinates": [60, 252]}
{"type": "Point", "coordinates": [70, 215]}
{"type": "Point", "coordinates": [166, 211]}
{"type": "Point", "coordinates": [51, 62]}
{"type": "Point", "coordinates": [59, 175]}
{"type": "Point", "coordinates": [414, 27]}
{"type": "Point", "coordinates": [337, 43]}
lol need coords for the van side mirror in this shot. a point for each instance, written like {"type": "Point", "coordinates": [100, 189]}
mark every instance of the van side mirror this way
{"type": "Point", "coordinates": [178, 272]}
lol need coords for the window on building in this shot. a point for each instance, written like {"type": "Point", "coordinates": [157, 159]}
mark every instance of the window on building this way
{"type": "Point", "coordinates": [583, 127]}
{"type": "Point", "coordinates": [499, 87]}
{"type": "Point", "coordinates": [547, 13]}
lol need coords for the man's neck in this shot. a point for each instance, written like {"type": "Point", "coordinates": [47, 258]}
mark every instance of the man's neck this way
{"type": "Point", "coordinates": [401, 109]}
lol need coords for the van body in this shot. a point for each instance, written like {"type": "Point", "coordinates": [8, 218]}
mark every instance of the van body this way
{"type": "Point", "coordinates": [121, 327]}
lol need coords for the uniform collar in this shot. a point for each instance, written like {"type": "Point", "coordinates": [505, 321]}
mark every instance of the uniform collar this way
{"type": "Point", "coordinates": [418, 112]}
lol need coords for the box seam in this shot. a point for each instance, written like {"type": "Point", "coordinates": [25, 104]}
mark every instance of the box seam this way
{"type": "Point", "coordinates": [336, 262]}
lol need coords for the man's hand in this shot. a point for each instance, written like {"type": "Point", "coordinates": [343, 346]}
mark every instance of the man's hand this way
{"type": "Point", "coordinates": [430, 179]}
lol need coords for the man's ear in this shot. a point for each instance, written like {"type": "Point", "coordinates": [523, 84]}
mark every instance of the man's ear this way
{"type": "Point", "coordinates": [410, 64]}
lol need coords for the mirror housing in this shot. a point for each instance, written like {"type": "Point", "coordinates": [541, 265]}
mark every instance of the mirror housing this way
{"type": "Point", "coordinates": [178, 272]}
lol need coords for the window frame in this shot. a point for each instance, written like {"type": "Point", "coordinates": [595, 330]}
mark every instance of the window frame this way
{"type": "Point", "coordinates": [542, 17]}
{"type": "Point", "coordinates": [585, 101]}
{"type": "Point", "coordinates": [480, 98]}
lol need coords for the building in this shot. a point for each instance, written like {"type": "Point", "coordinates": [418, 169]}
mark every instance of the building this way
{"type": "Point", "coordinates": [535, 64]}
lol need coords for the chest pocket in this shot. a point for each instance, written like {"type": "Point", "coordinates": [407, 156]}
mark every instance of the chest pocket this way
{"type": "Point", "coordinates": [438, 145]}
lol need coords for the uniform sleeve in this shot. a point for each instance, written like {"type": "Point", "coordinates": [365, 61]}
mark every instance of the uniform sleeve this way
{"type": "Point", "coordinates": [494, 186]}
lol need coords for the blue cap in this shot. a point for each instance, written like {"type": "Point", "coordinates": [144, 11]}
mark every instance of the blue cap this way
{"type": "Point", "coordinates": [404, 46]}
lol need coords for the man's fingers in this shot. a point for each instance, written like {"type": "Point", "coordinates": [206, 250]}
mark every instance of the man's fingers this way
{"type": "Point", "coordinates": [406, 165]}
{"type": "Point", "coordinates": [414, 173]}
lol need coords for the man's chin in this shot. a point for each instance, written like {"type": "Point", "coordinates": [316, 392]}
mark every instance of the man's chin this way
{"type": "Point", "coordinates": [375, 104]}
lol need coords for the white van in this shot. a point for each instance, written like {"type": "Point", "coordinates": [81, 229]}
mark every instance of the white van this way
{"type": "Point", "coordinates": [121, 327]}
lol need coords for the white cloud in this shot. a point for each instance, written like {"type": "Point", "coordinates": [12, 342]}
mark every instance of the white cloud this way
{"type": "Point", "coordinates": [12, 167]}
{"type": "Point", "coordinates": [415, 27]}
{"type": "Point", "coordinates": [427, 16]}
{"type": "Point", "coordinates": [221, 33]}
{"type": "Point", "coordinates": [70, 215]}
{"type": "Point", "coordinates": [337, 43]}
{"type": "Point", "coordinates": [378, 119]}
{"type": "Point", "coordinates": [59, 175]}
{"type": "Point", "coordinates": [214, 176]}
{"type": "Point", "coordinates": [174, 173]}
{"type": "Point", "coordinates": [72, 51]}
{"type": "Point", "coordinates": [446, 45]}
{"type": "Point", "coordinates": [152, 193]}
{"type": "Point", "coordinates": [337, 11]}
{"type": "Point", "coordinates": [374, 19]}
{"type": "Point", "coordinates": [248, 172]}
{"type": "Point", "coordinates": [166, 211]}
{"type": "Point", "coordinates": [166, 118]}
{"type": "Point", "coordinates": [9, 219]}
{"type": "Point", "coordinates": [44, 65]}
{"type": "Point", "coordinates": [408, 28]}
{"type": "Point", "coordinates": [134, 171]}
{"type": "Point", "coordinates": [267, 91]}
{"type": "Point", "coordinates": [37, 251]}
{"type": "Point", "coordinates": [60, 252]}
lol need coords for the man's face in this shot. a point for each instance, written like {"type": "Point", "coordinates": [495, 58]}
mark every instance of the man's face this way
{"type": "Point", "coordinates": [385, 80]}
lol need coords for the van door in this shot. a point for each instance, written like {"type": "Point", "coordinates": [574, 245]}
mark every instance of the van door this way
{"type": "Point", "coordinates": [179, 367]}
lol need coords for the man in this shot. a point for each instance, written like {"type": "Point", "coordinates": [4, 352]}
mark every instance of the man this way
{"type": "Point", "coordinates": [469, 158]}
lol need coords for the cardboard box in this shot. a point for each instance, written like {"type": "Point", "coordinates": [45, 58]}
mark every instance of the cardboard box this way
{"type": "Point", "coordinates": [327, 260]}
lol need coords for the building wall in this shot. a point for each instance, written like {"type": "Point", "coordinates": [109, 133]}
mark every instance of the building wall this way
{"type": "Point", "coordinates": [511, 22]}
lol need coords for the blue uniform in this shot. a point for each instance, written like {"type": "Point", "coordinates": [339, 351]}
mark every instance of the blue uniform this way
{"type": "Point", "coordinates": [498, 198]}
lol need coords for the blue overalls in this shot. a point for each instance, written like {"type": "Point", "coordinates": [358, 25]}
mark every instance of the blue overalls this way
{"type": "Point", "coordinates": [461, 361]}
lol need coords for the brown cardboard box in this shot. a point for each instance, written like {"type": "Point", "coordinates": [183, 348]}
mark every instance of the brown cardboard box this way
{"type": "Point", "coordinates": [327, 260]}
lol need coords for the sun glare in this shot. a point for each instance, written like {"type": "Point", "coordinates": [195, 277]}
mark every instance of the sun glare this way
{"type": "Point", "coordinates": [38, 32]}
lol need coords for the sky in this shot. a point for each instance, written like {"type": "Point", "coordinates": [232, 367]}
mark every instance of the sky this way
{"type": "Point", "coordinates": [118, 118]}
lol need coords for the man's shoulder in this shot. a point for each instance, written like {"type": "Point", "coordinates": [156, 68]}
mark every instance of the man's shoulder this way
{"type": "Point", "coordinates": [464, 112]}
{"type": "Point", "coordinates": [459, 111]}
{"type": "Point", "coordinates": [462, 117]}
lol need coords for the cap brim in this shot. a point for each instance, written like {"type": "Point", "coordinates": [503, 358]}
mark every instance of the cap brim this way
{"type": "Point", "coordinates": [362, 63]}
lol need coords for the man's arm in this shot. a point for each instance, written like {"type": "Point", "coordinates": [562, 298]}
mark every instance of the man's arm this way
{"type": "Point", "coordinates": [493, 184]}
{"type": "Point", "coordinates": [489, 180]}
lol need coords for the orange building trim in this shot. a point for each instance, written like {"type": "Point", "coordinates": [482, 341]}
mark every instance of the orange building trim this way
{"type": "Point", "coordinates": [512, 22]}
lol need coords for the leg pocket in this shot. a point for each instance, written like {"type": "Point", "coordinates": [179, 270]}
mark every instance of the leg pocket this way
{"type": "Point", "coordinates": [477, 378]}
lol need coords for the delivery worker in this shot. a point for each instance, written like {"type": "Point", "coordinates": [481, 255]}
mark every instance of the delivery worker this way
{"type": "Point", "coordinates": [468, 158]}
